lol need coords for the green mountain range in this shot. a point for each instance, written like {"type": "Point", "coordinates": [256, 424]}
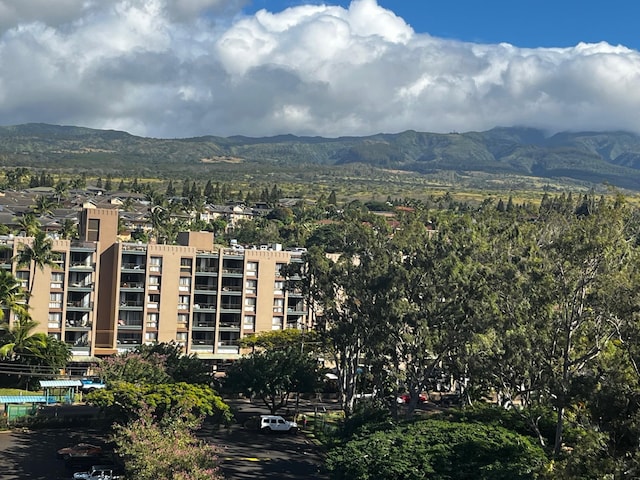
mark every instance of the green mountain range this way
{"type": "Point", "coordinates": [594, 157]}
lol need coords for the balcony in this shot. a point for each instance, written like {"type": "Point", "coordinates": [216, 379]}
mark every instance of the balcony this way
{"type": "Point", "coordinates": [230, 326]}
{"type": "Point", "coordinates": [296, 310]}
{"type": "Point", "coordinates": [135, 304]}
{"type": "Point", "coordinates": [202, 346]}
{"type": "Point", "coordinates": [205, 306]}
{"type": "Point", "coordinates": [80, 266]}
{"type": "Point", "coordinates": [80, 286]}
{"type": "Point", "coordinates": [133, 267]}
{"type": "Point", "coordinates": [210, 270]}
{"type": "Point", "coordinates": [80, 351]}
{"type": "Point", "coordinates": [232, 289]}
{"type": "Point", "coordinates": [230, 307]}
{"type": "Point", "coordinates": [204, 324]}
{"type": "Point", "coordinates": [229, 346]}
{"type": "Point", "coordinates": [79, 305]}
{"type": "Point", "coordinates": [78, 325]}
{"type": "Point", "coordinates": [130, 324]}
{"type": "Point", "coordinates": [205, 288]}
{"type": "Point", "coordinates": [134, 248]}
{"type": "Point", "coordinates": [232, 271]}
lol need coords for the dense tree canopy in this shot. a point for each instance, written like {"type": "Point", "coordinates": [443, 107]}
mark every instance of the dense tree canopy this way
{"type": "Point", "coordinates": [439, 450]}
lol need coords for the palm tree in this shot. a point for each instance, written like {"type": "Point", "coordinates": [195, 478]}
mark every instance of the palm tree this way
{"type": "Point", "coordinates": [38, 255]}
{"type": "Point", "coordinates": [21, 343]}
{"type": "Point", "coordinates": [43, 205]}
{"type": "Point", "coordinates": [12, 296]}
{"type": "Point", "coordinates": [29, 224]}
{"type": "Point", "coordinates": [61, 190]}
{"type": "Point", "coordinates": [68, 229]}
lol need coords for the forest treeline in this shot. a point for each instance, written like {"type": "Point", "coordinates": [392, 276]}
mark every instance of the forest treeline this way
{"type": "Point", "coordinates": [535, 313]}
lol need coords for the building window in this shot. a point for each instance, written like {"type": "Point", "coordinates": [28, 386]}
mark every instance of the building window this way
{"type": "Point", "coordinates": [185, 265]}
{"type": "Point", "coordinates": [276, 323]}
{"type": "Point", "coordinates": [55, 300]}
{"type": "Point", "coordinates": [278, 305]}
{"type": "Point", "coordinates": [184, 284]}
{"type": "Point", "coordinates": [93, 230]}
{"type": "Point", "coordinates": [155, 264]}
{"type": "Point", "coordinates": [154, 282]}
{"type": "Point", "coordinates": [181, 338]}
{"type": "Point", "coordinates": [152, 320]}
{"type": "Point", "coordinates": [251, 286]}
{"type": "Point", "coordinates": [252, 269]}
{"type": "Point", "coordinates": [278, 287]}
{"type": "Point", "coordinates": [250, 304]}
{"type": "Point", "coordinates": [183, 320]}
{"type": "Point", "coordinates": [249, 322]}
{"type": "Point", "coordinates": [55, 319]}
{"type": "Point", "coordinates": [151, 337]}
{"type": "Point", "coordinates": [23, 278]}
{"type": "Point", "coordinates": [279, 268]}
{"type": "Point", "coordinates": [56, 280]}
{"type": "Point", "coordinates": [153, 301]}
{"type": "Point", "coordinates": [183, 302]}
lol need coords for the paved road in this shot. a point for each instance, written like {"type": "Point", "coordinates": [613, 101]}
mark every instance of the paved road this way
{"type": "Point", "coordinates": [253, 455]}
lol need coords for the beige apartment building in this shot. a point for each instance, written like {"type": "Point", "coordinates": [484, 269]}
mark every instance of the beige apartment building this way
{"type": "Point", "coordinates": [107, 296]}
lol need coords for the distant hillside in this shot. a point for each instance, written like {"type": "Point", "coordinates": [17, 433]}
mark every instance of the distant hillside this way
{"type": "Point", "coordinates": [595, 157]}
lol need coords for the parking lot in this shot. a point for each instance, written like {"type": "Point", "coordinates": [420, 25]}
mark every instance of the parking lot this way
{"type": "Point", "coordinates": [244, 454]}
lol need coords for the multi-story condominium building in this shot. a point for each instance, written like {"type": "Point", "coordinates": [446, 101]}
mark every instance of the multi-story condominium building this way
{"type": "Point", "coordinates": [106, 296]}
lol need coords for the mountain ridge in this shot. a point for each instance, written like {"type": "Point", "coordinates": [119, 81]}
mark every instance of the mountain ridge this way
{"type": "Point", "coordinates": [595, 157]}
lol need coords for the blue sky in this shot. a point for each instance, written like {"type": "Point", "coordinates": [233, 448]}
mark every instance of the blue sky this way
{"type": "Point", "coordinates": [523, 23]}
{"type": "Point", "coordinates": [167, 68]}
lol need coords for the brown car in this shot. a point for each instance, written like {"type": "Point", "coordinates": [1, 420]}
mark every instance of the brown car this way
{"type": "Point", "coordinates": [80, 450]}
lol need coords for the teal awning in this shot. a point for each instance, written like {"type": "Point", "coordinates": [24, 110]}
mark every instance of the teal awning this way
{"type": "Point", "coordinates": [23, 399]}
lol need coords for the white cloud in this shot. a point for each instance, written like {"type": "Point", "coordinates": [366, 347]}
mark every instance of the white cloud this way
{"type": "Point", "coordinates": [176, 68]}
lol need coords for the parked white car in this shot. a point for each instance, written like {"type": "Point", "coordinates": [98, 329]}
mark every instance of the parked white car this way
{"type": "Point", "coordinates": [275, 423]}
{"type": "Point", "coordinates": [97, 472]}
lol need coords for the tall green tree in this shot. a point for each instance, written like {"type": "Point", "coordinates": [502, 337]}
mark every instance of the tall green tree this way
{"type": "Point", "coordinates": [179, 366]}
{"type": "Point", "coordinates": [590, 259]}
{"type": "Point", "coordinates": [351, 293]}
{"type": "Point", "coordinates": [273, 375]}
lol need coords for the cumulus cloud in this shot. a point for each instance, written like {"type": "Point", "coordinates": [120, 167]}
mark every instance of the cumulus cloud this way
{"type": "Point", "coordinates": [177, 68]}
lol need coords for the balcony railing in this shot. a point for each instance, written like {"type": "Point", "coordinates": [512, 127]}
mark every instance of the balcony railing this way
{"type": "Point", "coordinates": [231, 306]}
{"type": "Point", "coordinates": [204, 324]}
{"type": "Point", "coordinates": [232, 325]}
{"type": "Point", "coordinates": [130, 324]}
{"type": "Point", "coordinates": [81, 265]}
{"type": "Point", "coordinates": [132, 303]}
{"type": "Point", "coordinates": [207, 269]}
{"type": "Point", "coordinates": [78, 324]}
{"type": "Point", "coordinates": [133, 266]}
{"type": "Point", "coordinates": [132, 285]}
{"type": "Point", "coordinates": [204, 306]}
{"type": "Point", "coordinates": [79, 304]}
{"type": "Point", "coordinates": [232, 288]}
{"type": "Point", "coordinates": [232, 270]}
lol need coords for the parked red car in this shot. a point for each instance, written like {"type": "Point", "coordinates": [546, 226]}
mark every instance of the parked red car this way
{"type": "Point", "coordinates": [406, 398]}
{"type": "Point", "coordinates": [80, 450]}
